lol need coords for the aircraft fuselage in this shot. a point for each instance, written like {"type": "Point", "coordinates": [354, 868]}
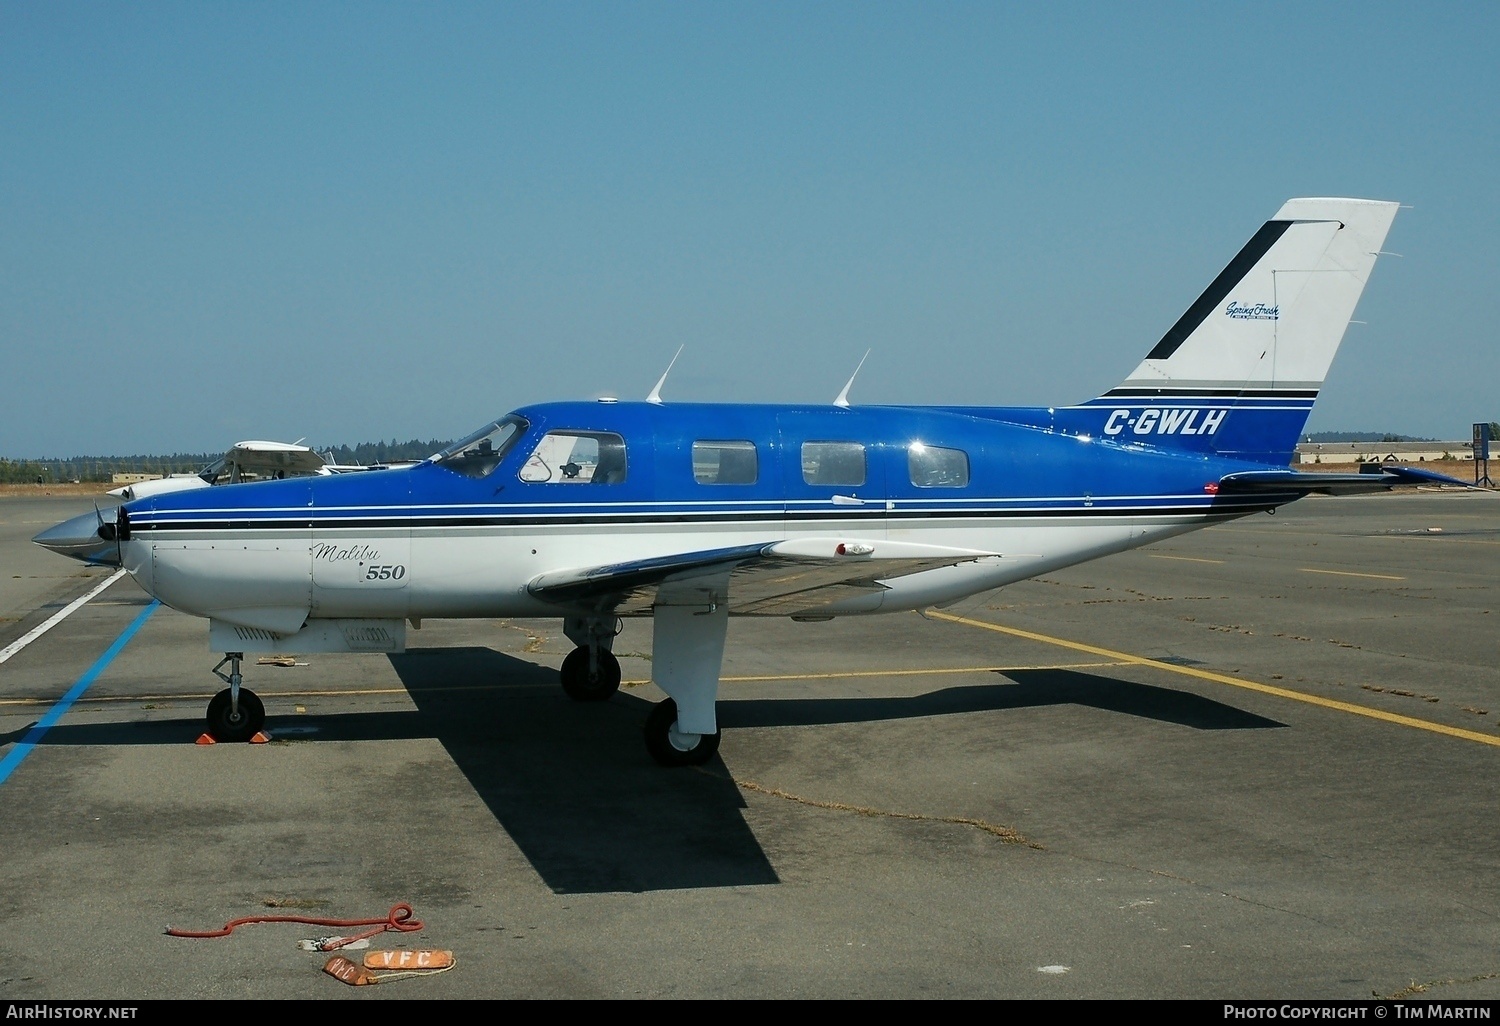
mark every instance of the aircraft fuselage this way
{"type": "Point", "coordinates": [428, 542]}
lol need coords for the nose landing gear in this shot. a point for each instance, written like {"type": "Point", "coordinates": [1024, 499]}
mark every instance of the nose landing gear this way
{"type": "Point", "coordinates": [234, 714]}
{"type": "Point", "coordinates": [590, 674]}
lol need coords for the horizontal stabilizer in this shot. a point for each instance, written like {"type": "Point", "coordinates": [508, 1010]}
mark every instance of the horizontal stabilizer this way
{"type": "Point", "coordinates": [1281, 482]}
{"type": "Point", "coordinates": [773, 578]}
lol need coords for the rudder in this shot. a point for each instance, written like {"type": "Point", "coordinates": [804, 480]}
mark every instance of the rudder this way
{"type": "Point", "coordinates": [1238, 373]}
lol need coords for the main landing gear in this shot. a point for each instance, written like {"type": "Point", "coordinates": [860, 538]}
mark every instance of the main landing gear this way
{"type": "Point", "coordinates": [591, 673]}
{"type": "Point", "coordinates": [670, 746]}
{"type": "Point", "coordinates": [687, 653]}
{"type": "Point", "coordinates": [688, 650]}
{"type": "Point", "coordinates": [234, 714]}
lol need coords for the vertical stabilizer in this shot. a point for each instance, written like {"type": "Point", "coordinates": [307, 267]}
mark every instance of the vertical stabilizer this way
{"type": "Point", "coordinates": [1238, 373]}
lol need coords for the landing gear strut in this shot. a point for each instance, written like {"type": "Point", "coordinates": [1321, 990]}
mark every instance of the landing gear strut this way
{"type": "Point", "coordinates": [687, 653]}
{"type": "Point", "coordinates": [234, 714]}
{"type": "Point", "coordinates": [591, 673]}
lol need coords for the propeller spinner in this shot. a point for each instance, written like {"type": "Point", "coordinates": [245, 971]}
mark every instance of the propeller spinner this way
{"type": "Point", "coordinates": [88, 537]}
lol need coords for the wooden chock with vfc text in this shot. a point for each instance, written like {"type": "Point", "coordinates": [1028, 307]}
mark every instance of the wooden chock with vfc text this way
{"type": "Point", "coordinates": [421, 959]}
{"type": "Point", "coordinates": [340, 968]}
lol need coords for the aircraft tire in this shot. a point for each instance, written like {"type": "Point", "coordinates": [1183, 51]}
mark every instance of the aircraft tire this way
{"type": "Point", "coordinates": [662, 719]}
{"type": "Point", "coordinates": [222, 726]}
{"type": "Point", "coordinates": [583, 687]}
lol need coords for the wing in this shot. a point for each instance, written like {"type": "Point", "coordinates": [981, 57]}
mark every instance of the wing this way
{"type": "Point", "coordinates": [1307, 482]}
{"type": "Point", "coordinates": [262, 458]}
{"type": "Point", "coordinates": [786, 578]}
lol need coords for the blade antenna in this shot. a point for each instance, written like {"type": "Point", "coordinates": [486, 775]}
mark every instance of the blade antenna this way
{"type": "Point", "coordinates": [655, 396]}
{"type": "Point", "coordinates": [843, 399]}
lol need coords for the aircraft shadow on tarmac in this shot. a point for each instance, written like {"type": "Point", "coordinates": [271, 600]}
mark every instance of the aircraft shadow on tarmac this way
{"type": "Point", "coordinates": [1029, 688]}
{"type": "Point", "coordinates": [571, 782]}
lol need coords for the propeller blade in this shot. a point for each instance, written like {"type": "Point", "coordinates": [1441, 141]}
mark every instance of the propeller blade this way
{"type": "Point", "coordinates": [113, 531]}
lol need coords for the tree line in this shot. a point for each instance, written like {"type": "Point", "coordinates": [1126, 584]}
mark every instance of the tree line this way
{"type": "Point", "coordinates": [103, 468]}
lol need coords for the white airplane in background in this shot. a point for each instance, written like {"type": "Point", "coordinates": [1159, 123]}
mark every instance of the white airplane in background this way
{"type": "Point", "coordinates": [244, 462]}
{"type": "Point", "coordinates": [689, 513]}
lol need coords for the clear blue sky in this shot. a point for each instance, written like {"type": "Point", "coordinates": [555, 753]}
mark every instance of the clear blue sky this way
{"type": "Point", "coordinates": [351, 222]}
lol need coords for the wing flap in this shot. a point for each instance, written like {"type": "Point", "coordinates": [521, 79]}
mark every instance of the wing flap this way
{"type": "Point", "coordinates": [769, 578]}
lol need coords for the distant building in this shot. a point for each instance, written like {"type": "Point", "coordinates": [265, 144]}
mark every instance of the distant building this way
{"type": "Point", "coordinates": [120, 479]}
{"type": "Point", "coordinates": [1382, 452]}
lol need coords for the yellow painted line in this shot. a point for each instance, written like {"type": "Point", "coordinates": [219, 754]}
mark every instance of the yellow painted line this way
{"type": "Point", "coordinates": [1186, 559]}
{"type": "Point", "coordinates": [911, 673]}
{"type": "Point", "coordinates": [1219, 678]}
{"type": "Point", "coordinates": [1349, 573]}
{"type": "Point", "coordinates": [377, 692]}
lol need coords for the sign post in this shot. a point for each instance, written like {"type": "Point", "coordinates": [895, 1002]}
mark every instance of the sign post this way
{"type": "Point", "coordinates": [1482, 454]}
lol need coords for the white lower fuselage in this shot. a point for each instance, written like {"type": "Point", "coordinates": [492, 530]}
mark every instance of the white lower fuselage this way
{"type": "Point", "coordinates": [275, 578]}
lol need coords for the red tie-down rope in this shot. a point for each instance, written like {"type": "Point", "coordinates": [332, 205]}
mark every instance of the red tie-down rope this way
{"type": "Point", "coordinates": [399, 919]}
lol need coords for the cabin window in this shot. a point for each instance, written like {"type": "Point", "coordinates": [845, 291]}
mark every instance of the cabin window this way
{"type": "Point", "coordinates": [833, 463]}
{"type": "Point", "coordinates": [725, 462]}
{"type": "Point", "coordinates": [479, 454]}
{"type": "Point", "coordinates": [932, 466]}
{"type": "Point", "coordinates": [576, 457]}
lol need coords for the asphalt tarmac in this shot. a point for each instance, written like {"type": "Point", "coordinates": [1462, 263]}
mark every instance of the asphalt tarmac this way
{"type": "Point", "coordinates": [1259, 761]}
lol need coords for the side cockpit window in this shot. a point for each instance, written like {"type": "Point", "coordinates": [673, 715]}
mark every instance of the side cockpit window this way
{"type": "Point", "coordinates": [841, 464]}
{"type": "Point", "coordinates": [576, 457]}
{"type": "Point", "coordinates": [480, 453]}
{"type": "Point", "coordinates": [725, 462]}
{"type": "Point", "coordinates": [932, 466]}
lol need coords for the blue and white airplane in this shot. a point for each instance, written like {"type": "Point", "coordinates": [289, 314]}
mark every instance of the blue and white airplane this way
{"type": "Point", "coordinates": [691, 513]}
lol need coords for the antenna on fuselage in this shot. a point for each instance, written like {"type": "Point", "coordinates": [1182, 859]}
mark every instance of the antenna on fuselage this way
{"type": "Point", "coordinates": [655, 396]}
{"type": "Point", "coordinates": [843, 399]}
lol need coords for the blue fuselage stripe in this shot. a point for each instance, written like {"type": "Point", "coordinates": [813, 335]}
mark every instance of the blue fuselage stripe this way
{"type": "Point", "coordinates": [34, 735]}
{"type": "Point", "coordinates": [383, 518]}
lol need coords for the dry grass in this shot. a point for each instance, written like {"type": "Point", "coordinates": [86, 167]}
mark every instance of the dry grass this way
{"type": "Point", "coordinates": [85, 489]}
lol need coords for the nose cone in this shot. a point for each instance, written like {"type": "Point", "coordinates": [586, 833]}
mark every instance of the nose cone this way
{"type": "Point", "coordinates": [86, 537]}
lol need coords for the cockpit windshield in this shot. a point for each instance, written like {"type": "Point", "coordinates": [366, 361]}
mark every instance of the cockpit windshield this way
{"type": "Point", "coordinates": [480, 453]}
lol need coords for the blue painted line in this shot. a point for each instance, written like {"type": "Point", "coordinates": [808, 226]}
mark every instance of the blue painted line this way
{"type": "Point", "coordinates": [34, 735]}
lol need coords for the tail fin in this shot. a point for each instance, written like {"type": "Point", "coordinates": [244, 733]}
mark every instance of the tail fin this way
{"type": "Point", "coordinates": [1238, 373]}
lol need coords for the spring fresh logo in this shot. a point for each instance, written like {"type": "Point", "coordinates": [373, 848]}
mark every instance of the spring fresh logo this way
{"type": "Point", "coordinates": [1252, 311]}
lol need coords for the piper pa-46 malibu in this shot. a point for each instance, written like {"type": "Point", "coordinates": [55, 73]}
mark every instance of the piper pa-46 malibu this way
{"type": "Point", "coordinates": [691, 513]}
